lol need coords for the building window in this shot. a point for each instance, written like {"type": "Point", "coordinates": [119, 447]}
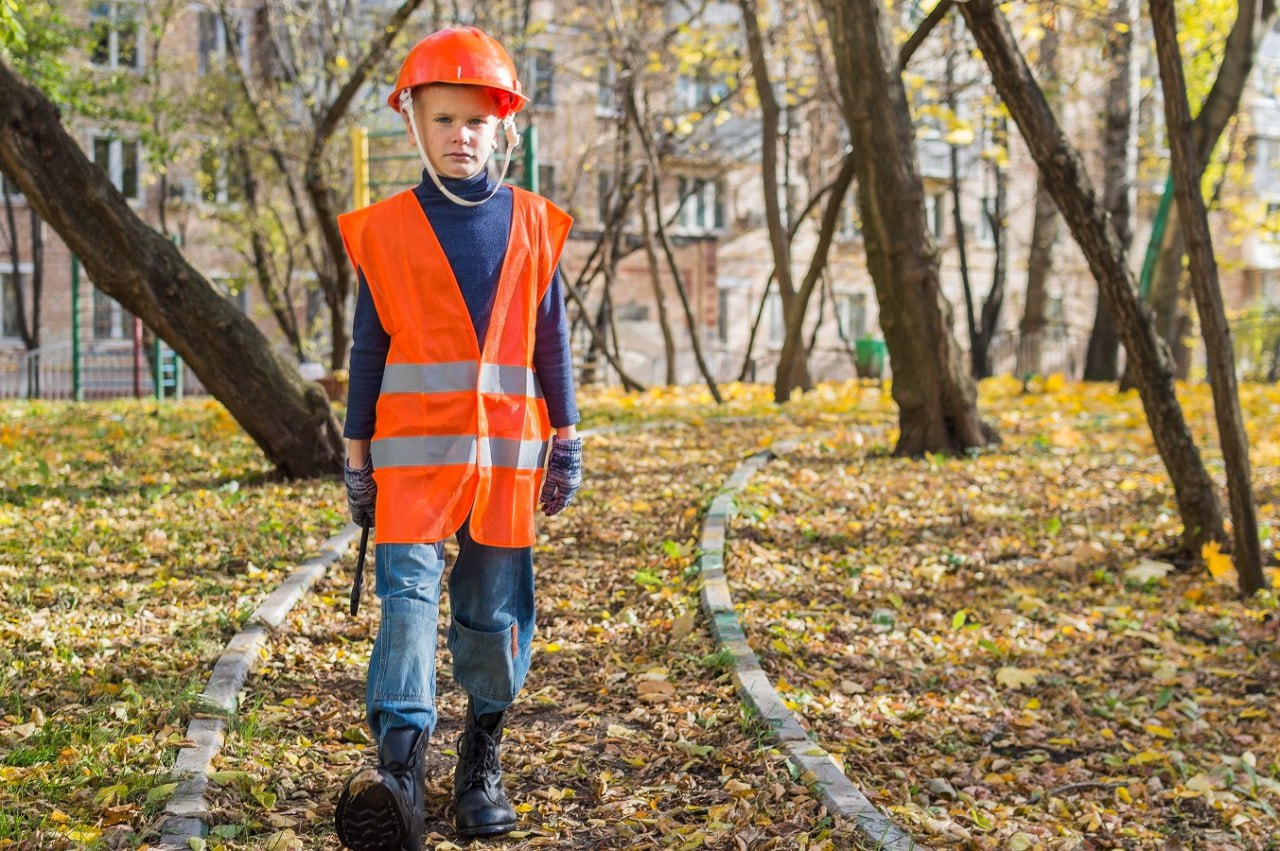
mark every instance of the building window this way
{"type": "Point", "coordinates": [986, 235]}
{"type": "Point", "coordinates": [113, 36]}
{"type": "Point", "coordinates": [213, 46]}
{"type": "Point", "coordinates": [851, 315]}
{"type": "Point", "coordinates": [110, 320]}
{"type": "Point", "coordinates": [933, 206]}
{"type": "Point", "coordinates": [702, 207]}
{"type": "Point", "coordinates": [219, 178]}
{"type": "Point", "coordinates": [604, 188]}
{"type": "Point", "coordinates": [606, 90]}
{"type": "Point", "coordinates": [9, 325]}
{"type": "Point", "coordinates": [542, 73]}
{"type": "Point", "coordinates": [699, 92]}
{"type": "Point", "coordinates": [119, 159]}
{"type": "Point", "coordinates": [777, 321]}
{"type": "Point", "coordinates": [723, 305]}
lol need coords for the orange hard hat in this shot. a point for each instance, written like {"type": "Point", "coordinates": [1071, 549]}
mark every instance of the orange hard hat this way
{"type": "Point", "coordinates": [462, 56]}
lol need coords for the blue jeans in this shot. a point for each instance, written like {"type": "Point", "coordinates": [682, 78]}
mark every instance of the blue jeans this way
{"type": "Point", "coordinates": [490, 636]}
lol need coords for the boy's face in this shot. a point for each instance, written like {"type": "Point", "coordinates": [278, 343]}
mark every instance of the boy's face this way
{"type": "Point", "coordinates": [458, 125]}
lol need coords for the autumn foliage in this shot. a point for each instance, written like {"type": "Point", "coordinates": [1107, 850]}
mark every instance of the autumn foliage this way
{"type": "Point", "coordinates": [997, 646]}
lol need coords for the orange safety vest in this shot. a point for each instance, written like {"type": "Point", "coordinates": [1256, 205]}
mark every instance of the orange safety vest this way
{"type": "Point", "coordinates": [459, 431]}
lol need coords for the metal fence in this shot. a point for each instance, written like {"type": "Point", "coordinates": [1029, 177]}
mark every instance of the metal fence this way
{"type": "Point", "coordinates": [106, 370]}
{"type": "Point", "coordinates": [1057, 349]}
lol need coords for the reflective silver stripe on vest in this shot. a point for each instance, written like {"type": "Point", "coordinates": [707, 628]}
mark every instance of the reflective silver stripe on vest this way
{"type": "Point", "coordinates": [511, 380]}
{"type": "Point", "coordinates": [423, 451]}
{"type": "Point", "coordinates": [458, 376]}
{"type": "Point", "coordinates": [513, 453]}
{"type": "Point", "coordinates": [450, 377]}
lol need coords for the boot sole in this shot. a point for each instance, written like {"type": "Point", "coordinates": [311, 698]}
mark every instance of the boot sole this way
{"type": "Point", "coordinates": [487, 829]}
{"type": "Point", "coordinates": [369, 820]}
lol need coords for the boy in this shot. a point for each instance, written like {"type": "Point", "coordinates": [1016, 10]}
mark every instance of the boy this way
{"type": "Point", "coordinates": [460, 369]}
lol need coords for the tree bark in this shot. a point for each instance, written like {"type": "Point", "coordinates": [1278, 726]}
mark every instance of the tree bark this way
{"type": "Point", "coordinates": [792, 363]}
{"type": "Point", "coordinates": [990, 315]}
{"type": "Point", "coordinates": [1044, 233]}
{"type": "Point", "coordinates": [937, 408]}
{"type": "Point", "coordinates": [659, 297]}
{"type": "Point", "coordinates": [1252, 19]}
{"type": "Point", "coordinates": [1119, 170]}
{"type": "Point", "coordinates": [1063, 170]}
{"type": "Point", "coordinates": [288, 417]}
{"type": "Point", "coordinates": [1208, 294]}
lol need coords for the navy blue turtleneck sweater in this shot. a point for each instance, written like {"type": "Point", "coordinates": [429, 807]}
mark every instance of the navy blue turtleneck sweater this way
{"type": "Point", "coordinates": [474, 240]}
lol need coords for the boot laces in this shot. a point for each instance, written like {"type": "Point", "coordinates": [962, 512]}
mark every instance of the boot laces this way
{"type": "Point", "coordinates": [484, 764]}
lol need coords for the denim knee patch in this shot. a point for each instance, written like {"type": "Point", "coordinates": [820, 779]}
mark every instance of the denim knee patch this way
{"type": "Point", "coordinates": [485, 663]}
{"type": "Point", "coordinates": [404, 667]}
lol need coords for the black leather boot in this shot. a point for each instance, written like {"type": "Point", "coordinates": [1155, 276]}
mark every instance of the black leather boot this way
{"type": "Point", "coordinates": [480, 806]}
{"type": "Point", "coordinates": [381, 809]}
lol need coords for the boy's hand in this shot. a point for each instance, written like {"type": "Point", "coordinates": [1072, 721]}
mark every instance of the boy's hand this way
{"type": "Point", "coordinates": [564, 475]}
{"type": "Point", "coordinates": [362, 492]}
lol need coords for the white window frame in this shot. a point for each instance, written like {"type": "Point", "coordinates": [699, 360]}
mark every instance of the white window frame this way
{"type": "Point", "coordinates": [220, 187]}
{"type": "Point", "coordinates": [986, 235]}
{"type": "Point", "coordinates": [115, 161]}
{"type": "Point", "coordinates": [933, 204]}
{"type": "Point", "coordinates": [607, 105]}
{"type": "Point", "coordinates": [698, 212]}
{"type": "Point", "coordinates": [724, 306]}
{"type": "Point", "coordinates": [848, 306]}
{"type": "Point", "coordinates": [776, 318]}
{"type": "Point", "coordinates": [113, 19]}
{"type": "Point", "coordinates": [25, 270]}
{"type": "Point", "coordinates": [205, 59]}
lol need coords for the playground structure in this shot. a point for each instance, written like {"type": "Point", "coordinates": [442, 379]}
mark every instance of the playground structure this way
{"type": "Point", "coordinates": [96, 368]}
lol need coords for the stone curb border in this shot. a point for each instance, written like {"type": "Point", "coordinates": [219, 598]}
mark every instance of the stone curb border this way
{"type": "Point", "coordinates": [186, 814]}
{"type": "Point", "coordinates": [816, 766]}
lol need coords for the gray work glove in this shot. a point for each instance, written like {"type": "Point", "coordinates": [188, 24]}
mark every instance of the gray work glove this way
{"type": "Point", "coordinates": [362, 492]}
{"type": "Point", "coordinates": [564, 475]}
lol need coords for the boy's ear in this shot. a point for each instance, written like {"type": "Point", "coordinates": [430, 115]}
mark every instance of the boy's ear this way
{"type": "Point", "coordinates": [509, 126]}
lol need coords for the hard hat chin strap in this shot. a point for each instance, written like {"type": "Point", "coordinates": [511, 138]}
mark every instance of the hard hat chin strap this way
{"type": "Point", "coordinates": [513, 141]}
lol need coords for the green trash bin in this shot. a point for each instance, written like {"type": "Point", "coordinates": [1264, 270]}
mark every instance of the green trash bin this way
{"type": "Point", "coordinates": [868, 357]}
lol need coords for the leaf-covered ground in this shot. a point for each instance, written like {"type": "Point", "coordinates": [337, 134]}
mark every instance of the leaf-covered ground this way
{"type": "Point", "coordinates": [993, 600]}
{"type": "Point", "coordinates": [998, 648]}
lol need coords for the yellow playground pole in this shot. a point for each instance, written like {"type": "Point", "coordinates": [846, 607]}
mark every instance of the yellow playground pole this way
{"type": "Point", "coordinates": [360, 166]}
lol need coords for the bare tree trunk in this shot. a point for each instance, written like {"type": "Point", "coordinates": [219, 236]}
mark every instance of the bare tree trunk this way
{"type": "Point", "coordinates": [792, 368]}
{"type": "Point", "coordinates": [841, 181]}
{"type": "Point", "coordinates": [1044, 233]}
{"type": "Point", "coordinates": [280, 305]}
{"type": "Point", "coordinates": [1208, 295]}
{"type": "Point", "coordinates": [1222, 102]}
{"type": "Point", "coordinates": [962, 250]}
{"type": "Point", "coordinates": [651, 156]}
{"type": "Point", "coordinates": [288, 417]}
{"type": "Point", "coordinates": [659, 296]}
{"type": "Point", "coordinates": [936, 399]}
{"type": "Point", "coordinates": [748, 365]}
{"type": "Point", "coordinates": [695, 332]}
{"type": "Point", "coordinates": [994, 303]}
{"type": "Point", "coordinates": [1119, 171]}
{"type": "Point", "coordinates": [15, 263]}
{"type": "Point", "coordinates": [1063, 171]}
{"type": "Point", "coordinates": [1035, 319]}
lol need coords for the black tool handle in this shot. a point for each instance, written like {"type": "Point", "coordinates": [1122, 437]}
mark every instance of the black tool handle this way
{"type": "Point", "coordinates": [357, 585]}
